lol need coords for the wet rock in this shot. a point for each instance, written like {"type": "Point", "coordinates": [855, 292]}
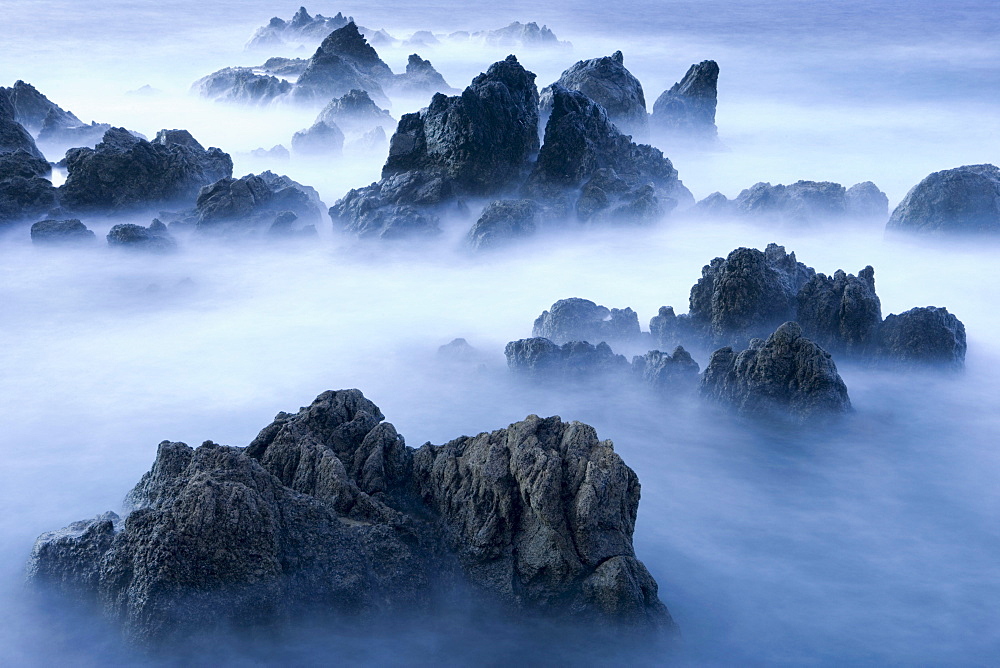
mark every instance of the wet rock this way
{"type": "Point", "coordinates": [865, 200]}
{"type": "Point", "coordinates": [242, 85]}
{"type": "Point", "coordinates": [786, 376]}
{"type": "Point", "coordinates": [355, 111]}
{"type": "Point", "coordinates": [154, 238]}
{"type": "Point", "coordinates": [666, 371]}
{"type": "Point", "coordinates": [300, 28]}
{"type": "Point", "coordinates": [421, 77]}
{"type": "Point", "coordinates": [504, 221]}
{"type": "Point", "coordinates": [961, 200]}
{"type": "Point", "coordinates": [578, 319]}
{"type": "Point", "coordinates": [607, 82]}
{"type": "Point", "coordinates": [320, 139]}
{"type": "Point", "coordinates": [342, 63]}
{"type": "Point", "coordinates": [747, 294]}
{"type": "Point", "coordinates": [328, 512]}
{"type": "Point", "coordinates": [798, 203]}
{"type": "Point", "coordinates": [841, 313]}
{"type": "Point", "coordinates": [541, 359]}
{"type": "Point", "coordinates": [687, 109]}
{"type": "Point", "coordinates": [25, 191]}
{"type": "Point", "coordinates": [124, 171]}
{"type": "Point", "coordinates": [928, 336]}
{"type": "Point", "coordinates": [61, 232]}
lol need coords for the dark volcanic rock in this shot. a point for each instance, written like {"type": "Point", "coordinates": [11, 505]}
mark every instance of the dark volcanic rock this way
{"type": "Point", "coordinates": [841, 313]}
{"type": "Point", "coordinates": [285, 67]}
{"type": "Point", "coordinates": [865, 200]}
{"type": "Point", "coordinates": [254, 204]}
{"type": "Point", "coordinates": [24, 193]}
{"type": "Point", "coordinates": [801, 202]}
{"type": "Point", "coordinates": [328, 512]}
{"type": "Point", "coordinates": [747, 294]}
{"type": "Point", "coordinates": [241, 85]}
{"type": "Point", "coordinates": [961, 200]}
{"type": "Point", "coordinates": [355, 111]}
{"type": "Point", "coordinates": [504, 221]}
{"type": "Point", "coordinates": [32, 108]}
{"type": "Point", "coordinates": [342, 63]}
{"type": "Point", "coordinates": [687, 110]}
{"type": "Point", "coordinates": [541, 359]}
{"type": "Point", "coordinates": [668, 329]}
{"type": "Point", "coordinates": [154, 238]}
{"type": "Point", "coordinates": [421, 77]}
{"type": "Point", "coordinates": [322, 138]}
{"type": "Point", "coordinates": [13, 136]}
{"type": "Point", "coordinates": [578, 319]}
{"type": "Point", "coordinates": [54, 133]}
{"type": "Point", "coordinates": [666, 371]}
{"type": "Point", "coordinates": [787, 375]}
{"type": "Point", "coordinates": [923, 336]}
{"type": "Point", "coordinates": [61, 232]}
{"type": "Point", "coordinates": [124, 171]}
{"type": "Point", "coordinates": [606, 82]}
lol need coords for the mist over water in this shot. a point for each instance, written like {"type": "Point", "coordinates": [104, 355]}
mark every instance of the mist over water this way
{"type": "Point", "coordinates": [874, 542]}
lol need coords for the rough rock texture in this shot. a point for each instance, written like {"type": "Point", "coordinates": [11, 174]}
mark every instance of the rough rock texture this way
{"type": "Point", "coordinates": [865, 200]}
{"type": "Point", "coordinates": [687, 109]}
{"type": "Point", "coordinates": [606, 82]}
{"type": "Point", "coordinates": [473, 144]}
{"type": "Point", "coordinates": [342, 63]}
{"type": "Point", "coordinates": [841, 313]}
{"type": "Point", "coordinates": [666, 371]}
{"type": "Point", "coordinates": [255, 203]}
{"type": "Point", "coordinates": [668, 329]}
{"type": "Point", "coordinates": [301, 28]}
{"type": "Point", "coordinates": [25, 192]}
{"type": "Point", "coordinates": [923, 336]}
{"type": "Point", "coordinates": [585, 158]}
{"type": "Point", "coordinates": [327, 511]}
{"type": "Point", "coordinates": [241, 85]}
{"type": "Point", "coordinates": [154, 238]}
{"type": "Point", "coordinates": [322, 138]}
{"type": "Point", "coordinates": [541, 359]}
{"type": "Point", "coordinates": [961, 200]}
{"type": "Point", "coordinates": [787, 375]}
{"type": "Point", "coordinates": [800, 202]}
{"type": "Point", "coordinates": [355, 111]}
{"type": "Point", "coordinates": [32, 108]}
{"type": "Point", "coordinates": [504, 221]}
{"type": "Point", "coordinates": [747, 294]}
{"type": "Point", "coordinates": [13, 136]}
{"type": "Point", "coordinates": [421, 77]}
{"type": "Point", "coordinates": [124, 171]}
{"type": "Point", "coordinates": [578, 319]}
{"type": "Point", "coordinates": [61, 232]}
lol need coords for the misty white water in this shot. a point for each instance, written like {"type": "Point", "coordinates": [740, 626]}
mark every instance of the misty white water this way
{"type": "Point", "coordinates": [876, 543]}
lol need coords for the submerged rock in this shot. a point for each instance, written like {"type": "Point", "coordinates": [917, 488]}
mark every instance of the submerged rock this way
{"type": "Point", "coordinates": [787, 375]}
{"type": "Point", "coordinates": [154, 238]}
{"type": "Point", "coordinates": [578, 319]}
{"type": "Point", "coordinates": [61, 232]}
{"type": "Point", "coordinates": [504, 221]}
{"type": "Point", "coordinates": [328, 512]}
{"type": "Point", "coordinates": [923, 336]}
{"type": "Point", "coordinates": [607, 82]}
{"type": "Point", "coordinates": [541, 359]}
{"type": "Point", "coordinates": [687, 109]}
{"type": "Point", "coordinates": [241, 85]}
{"type": "Point", "coordinates": [961, 200]}
{"type": "Point", "coordinates": [125, 171]}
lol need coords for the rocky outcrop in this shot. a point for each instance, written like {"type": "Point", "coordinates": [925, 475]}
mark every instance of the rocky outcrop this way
{"type": "Point", "coordinates": [328, 512]}
{"type": "Point", "coordinates": [322, 138]}
{"type": "Point", "coordinates": [421, 77]}
{"type": "Point", "coordinates": [578, 319]}
{"type": "Point", "coordinates": [14, 137]}
{"type": "Point", "coordinates": [955, 201]}
{"type": "Point", "coordinates": [25, 192]}
{"type": "Point", "coordinates": [841, 313]}
{"type": "Point", "coordinates": [290, 68]}
{"type": "Point", "coordinates": [355, 111]}
{"type": "Point", "coordinates": [865, 200]}
{"type": "Point", "coordinates": [154, 238]}
{"type": "Point", "coordinates": [606, 82]}
{"type": "Point", "coordinates": [342, 63]}
{"type": "Point", "coordinates": [55, 128]}
{"type": "Point", "coordinates": [687, 109]}
{"type": "Point", "coordinates": [540, 359]}
{"type": "Point", "coordinates": [928, 336]}
{"type": "Point", "coordinates": [666, 371]}
{"type": "Point", "coordinates": [801, 203]}
{"type": "Point", "coordinates": [124, 171]}
{"type": "Point", "coordinates": [785, 376]}
{"type": "Point", "coordinates": [515, 35]}
{"type": "Point", "coordinates": [61, 232]}
{"type": "Point", "coordinates": [504, 221]}
{"type": "Point", "coordinates": [241, 85]}
{"type": "Point", "coordinates": [257, 203]}
{"type": "Point", "coordinates": [668, 329]}
{"type": "Point", "coordinates": [300, 28]}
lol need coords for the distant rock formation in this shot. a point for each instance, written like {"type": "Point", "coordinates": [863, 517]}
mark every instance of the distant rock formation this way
{"type": "Point", "coordinates": [865, 200]}
{"type": "Point", "coordinates": [801, 203]}
{"type": "Point", "coordinates": [786, 376]}
{"type": "Point", "coordinates": [355, 111]}
{"type": "Point", "coordinates": [516, 35]}
{"type": "Point", "coordinates": [301, 28]}
{"type": "Point", "coordinates": [964, 200]}
{"type": "Point", "coordinates": [289, 68]}
{"type": "Point", "coordinates": [343, 62]}
{"type": "Point", "coordinates": [841, 313]}
{"type": "Point", "coordinates": [321, 138]}
{"type": "Point", "coordinates": [687, 110]}
{"type": "Point", "coordinates": [541, 359]}
{"type": "Point", "coordinates": [327, 511]}
{"type": "Point", "coordinates": [61, 233]}
{"type": "Point", "coordinates": [421, 77]}
{"type": "Point", "coordinates": [606, 82]}
{"type": "Point", "coordinates": [241, 85]}
{"type": "Point", "coordinates": [154, 238]}
{"type": "Point", "coordinates": [124, 171]}
{"type": "Point", "coordinates": [665, 371]}
{"type": "Point", "coordinates": [55, 128]}
{"type": "Point", "coordinates": [578, 319]}
{"type": "Point", "coordinates": [504, 221]}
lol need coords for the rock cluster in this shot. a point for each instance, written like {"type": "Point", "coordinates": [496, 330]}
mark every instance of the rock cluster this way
{"type": "Point", "coordinates": [963, 200]}
{"type": "Point", "coordinates": [541, 359]}
{"type": "Point", "coordinates": [257, 203]}
{"type": "Point", "coordinates": [327, 511]}
{"type": "Point", "coordinates": [801, 203]}
{"type": "Point", "coordinates": [242, 85]}
{"type": "Point", "coordinates": [301, 28]}
{"type": "Point", "coordinates": [687, 110]}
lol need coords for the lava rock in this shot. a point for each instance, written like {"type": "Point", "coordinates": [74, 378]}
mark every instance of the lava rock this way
{"type": "Point", "coordinates": [961, 200]}
{"type": "Point", "coordinates": [865, 200]}
{"type": "Point", "coordinates": [687, 109]}
{"type": "Point", "coordinates": [125, 171]}
{"type": "Point", "coordinates": [841, 313]}
{"type": "Point", "coordinates": [241, 85]}
{"type": "Point", "coordinates": [154, 238]}
{"type": "Point", "coordinates": [32, 108]}
{"type": "Point", "coordinates": [13, 136]}
{"type": "Point", "coordinates": [799, 203]}
{"type": "Point", "coordinates": [541, 359]}
{"type": "Point", "coordinates": [666, 371]}
{"type": "Point", "coordinates": [578, 319]}
{"type": "Point", "coordinates": [421, 77]}
{"type": "Point", "coordinates": [320, 139]}
{"type": "Point", "coordinates": [355, 111]}
{"type": "Point", "coordinates": [606, 82]}
{"type": "Point", "coordinates": [342, 63]}
{"type": "Point", "coordinates": [255, 203]}
{"type": "Point", "coordinates": [504, 221]}
{"type": "Point", "coordinates": [61, 232]}
{"type": "Point", "coordinates": [787, 375]}
{"type": "Point", "coordinates": [928, 336]}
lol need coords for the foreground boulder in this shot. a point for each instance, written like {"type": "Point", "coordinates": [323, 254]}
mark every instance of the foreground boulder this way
{"type": "Point", "coordinates": [61, 232]}
{"type": "Point", "coordinates": [687, 110]}
{"type": "Point", "coordinates": [154, 238]}
{"type": "Point", "coordinates": [257, 203]}
{"type": "Point", "coordinates": [786, 375]}
{"type": "Point", "coordinates": [125, 171]}
{"type": "Point", "coordinates": [327, 512]}
{"type": "Point", "coordinates": [578, 319]}
{"type": "Point", "coordinates": [961, 200]}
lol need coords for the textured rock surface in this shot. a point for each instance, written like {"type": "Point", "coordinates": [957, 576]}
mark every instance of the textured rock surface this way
{"type": "Point", "coordinates": [13, 135]}
{"type": "Point", "coordinates": [666, 371]}
{"type": "Point", "coordinates": [607, 82]}
{"type": "Point", "coordinates": [322, 138]}
{"type": "Point", "coordinates": [578, 319]}
{"type": "Point", "coordinates": [31, 108]}
{"type": "Point", "coordinates": [687, 109]}
{"type": "Point", "coordinates": [504, 221]}
{"type": "Point", "coordinates": [923, 336]}
{"type": "Point", "coordinates": [124, 171]}
{"type": "Point", "coordinates": [961, 200]}
{"type": "Point", "coordinates": [841, 313]}
{"type": "Point", "coordinates": [25, 192]}
{"type": "Point", "coordinates": [800, 202]}
{"type": "Point", "coordinates": [343, 62]}
{"type": "Point", "coordinates": [241, 85]}
{"type": "Point", "coordinates": [787, 375]}
{"type": "Point", "coordinates": [154, 238]}
{"type": "Point", "coordinates": [59, 232]}
{"type": "Point", "coordinates": [256, 203]}
{"type": "Point", "coordinates": [328, 512]}
{"type": "Point", "coordinates": [541, 359]}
